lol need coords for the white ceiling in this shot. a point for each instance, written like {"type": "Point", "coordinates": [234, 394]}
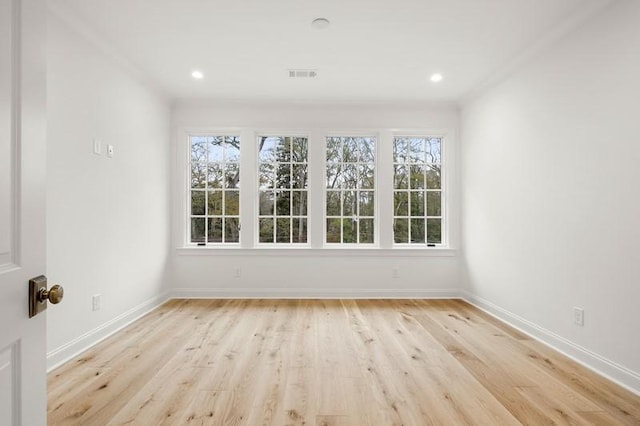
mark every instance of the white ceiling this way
{"type": "Point", "coordinates": [374, 50]}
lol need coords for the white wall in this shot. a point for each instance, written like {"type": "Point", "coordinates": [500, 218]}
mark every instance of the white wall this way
{"type": "Point", "coordinates": [107, 218]}
{"type": "Point", "coordinates": [316, 272]}
{"type": "Point", "coordinates": [549, 162]}
{"type": "Point", "coordinates": [551, 206]}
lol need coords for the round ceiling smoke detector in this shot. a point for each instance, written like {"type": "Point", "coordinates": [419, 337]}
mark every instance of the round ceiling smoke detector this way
{"type": "Point", "coordinates": [320, 23]}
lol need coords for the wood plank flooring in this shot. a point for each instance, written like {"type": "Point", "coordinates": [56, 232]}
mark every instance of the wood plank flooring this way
{"type": "Point", "coordinates": [328, 362]}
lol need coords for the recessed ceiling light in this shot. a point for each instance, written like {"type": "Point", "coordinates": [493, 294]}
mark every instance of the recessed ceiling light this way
{"type": "Point", "coordinates": [320, 23]}
{"type": "Point", "coordinates": [436, 77]}
{"type": "Point", "coordinates": [197, 75]}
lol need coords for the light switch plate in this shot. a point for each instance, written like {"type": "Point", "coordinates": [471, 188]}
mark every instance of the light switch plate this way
{"type": "Point", "coordinates": [96, 302]}
{"type": "Point", "coordinates": [578, 316]}
{"type": "Point", "coordinates": [110, 151]}
{"type": "Point", "coordinates": [97, 147]}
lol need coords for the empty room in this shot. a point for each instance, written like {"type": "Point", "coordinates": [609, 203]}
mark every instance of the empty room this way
{"type": "Point", "coordinates": [299, 212]}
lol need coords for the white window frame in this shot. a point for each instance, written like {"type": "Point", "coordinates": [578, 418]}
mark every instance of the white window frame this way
{"type": "Point", "coordinates": [375, 190]}
{"type": "Point", "coordinates": [443, 195]}
{"type": "Point", "coordinates": [188, 134]}
{"type": "Point", "coordinates": [256, 169]}
{"type": "Point", "coordinates": [316, 208]}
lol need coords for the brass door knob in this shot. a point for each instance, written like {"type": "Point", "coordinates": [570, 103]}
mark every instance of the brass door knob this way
{"type": "Point", "coordinates": [55, 294]}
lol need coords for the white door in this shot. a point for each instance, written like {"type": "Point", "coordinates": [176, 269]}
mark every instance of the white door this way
{"type": "Point", "coordinates": [23, 394]}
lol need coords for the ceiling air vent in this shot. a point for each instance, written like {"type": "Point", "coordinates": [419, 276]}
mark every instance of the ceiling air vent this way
{"type": "Point", "coordinates": [303, 73]}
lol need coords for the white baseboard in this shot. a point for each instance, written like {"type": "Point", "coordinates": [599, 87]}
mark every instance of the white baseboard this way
{"type": "Point", "coordinates": [64, 353]}
{"type": "Point", "coordinates": [311, 293]}
{"type": "Point", "coordinates": [617, 373]}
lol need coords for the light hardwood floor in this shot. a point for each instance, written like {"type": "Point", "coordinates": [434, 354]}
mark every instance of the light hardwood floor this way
{"type": "Point", "coordinates": [328, 362]}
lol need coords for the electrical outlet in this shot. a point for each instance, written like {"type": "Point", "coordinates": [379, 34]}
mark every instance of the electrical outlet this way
{"type": "Point", "coordinates": [578, 316]}
{"type": "Point", "coordinates": [96, 302]}
{"type": "Point", "coordinates": [237, 273]}
{"type": "Point", "coordinates": [395, 272]}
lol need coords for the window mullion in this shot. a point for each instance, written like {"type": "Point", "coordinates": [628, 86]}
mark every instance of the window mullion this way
{"type": "Point", "coordinates": [248, 191]}
{"type": "Point", "coordinates": [384, 189]}
{"type": "Point", "coordinates": [316, 187]}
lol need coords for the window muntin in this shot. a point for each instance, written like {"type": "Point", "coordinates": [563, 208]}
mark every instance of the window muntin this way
{"type": "Point", "coordinates": [283, 189]}
{"type": "Point", "coordinates": [214, 196]}
{"type": "Point", "coordinates": [417, 183]}
{"type": "Point", "coordinates": [350, 190]}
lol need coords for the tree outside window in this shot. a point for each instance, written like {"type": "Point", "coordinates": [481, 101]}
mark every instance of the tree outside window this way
{"type": "Point", "coordinates": [283, 183]}
{"type": "Point", "coordinates": [215, 189]}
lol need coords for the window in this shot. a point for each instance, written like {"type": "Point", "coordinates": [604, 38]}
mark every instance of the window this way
{"type": "Point", "coordinates": [355, 177]}
{"type": "Point", "coordinates": [282, 215]}
{"type": "Point", "coordinates": [350, 190]}
{"type": "Point", "coordinates": [215, 189]}
{"type": "Point", "coordinates": [417, 190]}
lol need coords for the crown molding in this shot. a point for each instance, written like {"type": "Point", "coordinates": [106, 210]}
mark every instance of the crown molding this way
{"type": "Point", "coordinates": [526, 55]}
{"type": "Point", "coordinates": [76, 22]}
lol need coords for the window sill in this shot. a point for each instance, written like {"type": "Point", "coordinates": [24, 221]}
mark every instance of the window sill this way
{"type": "Point", "coordinates": [317, 252]}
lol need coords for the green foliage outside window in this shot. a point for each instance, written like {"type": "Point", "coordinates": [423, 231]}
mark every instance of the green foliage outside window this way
{"type": "Point", "coordinates": [417, 193]}
{"type": "Point", "coordinates": [215, 189]}
{"type": "Point", "coordinates": [283, 182]}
